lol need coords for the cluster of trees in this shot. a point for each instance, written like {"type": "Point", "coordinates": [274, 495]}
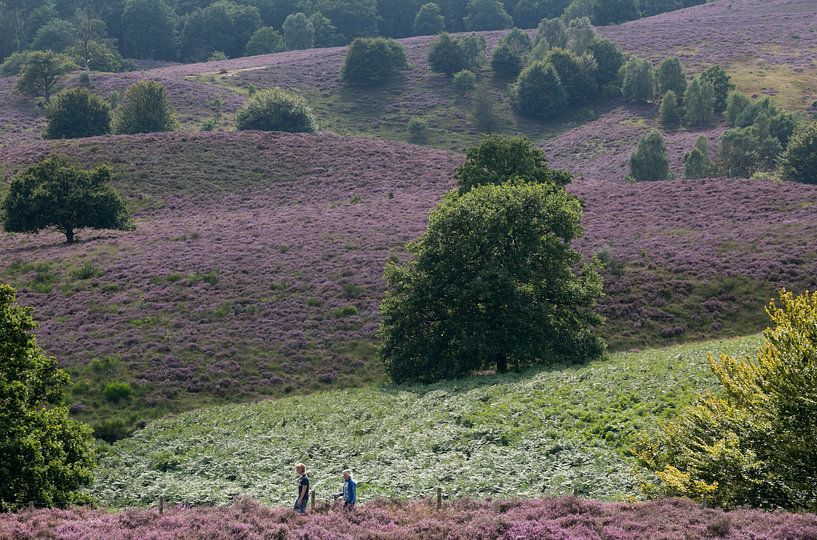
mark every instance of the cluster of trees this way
{"type": "Point", "coordinates": [94, 33]}
{"type": "Point", "coordinates": [493, 281]}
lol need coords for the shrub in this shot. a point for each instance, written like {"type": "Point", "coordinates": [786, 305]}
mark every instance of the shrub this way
{"type": "Point", "coordinates": [538, 92]}
{"type": "Point", "coordinates": [669, 112]}
{"type": "Point", "coordinates": [637, 82]}
{"type": "Point", "coordinates": [117, 391]}
{"type": "Point", "coordinates": [577, 74]}
{"type": "Point", "coordinates": [697, 163]}
{"type": "Point", "coordinates": [418, 131]}
{"type": "Point", "coordinates": [721, 83]}
{"type": "Point", "coordinates": [736, 103]}
{"type": "Point", "coordinates": [609, 59]}
{"type": "Point", "coordinates": [553, 31]}
{"type": "Point", "coordinates": [145, 108]}
{"type": "Point", "coordinates": [699, 103]}
{"type": "Point", "coordinates": [41, 72]}
{"type": "Point", "coordinates": [486, 15]}
{"type": "Point", "coordinates": [77, 113]}
{"type": "Point", "coordinates": [487, 114]}
{"type": "Point", "coordinates": [373, 61]}
{"type": "Point", "coordinates": [739, 153]}
{"type": "Point", "coordinates": [464, 82]}
{"type": "Point", "coordinates": [112, 430]}
{"type": "Point", "coordinates": [448, 55]}
{"type": "Point", "coordinates": [265, 40]}
{"type": "Point", "coordinates": [54, 194]}
{"type": "Point", "coordinates": [276, 109]}
{"type": "Point", "coordinates": [47, 457]}
{"type": "Point", "coordinates": [670, 76]}
{"type": "Point", "coordinates": [506, 63]}
{"type": "Point", "coordinates": [429, 20]}
{"type": "Point", "coordinates": [494, 264]}
{"type": "Point", "coordinates": [799, 161]}
{"type": "Point", "coordinates": [580, 35]}
{"type": "Point", "coordinates": [298, 32]}
{"type": "Point", "coordinates": [499, 159]}
{"type": "Point", "coordinates": [752, 443]}
{"type": "Point", "coordinates": [649, 161]}
{"type": "Point", "coordinates": [13, 64]}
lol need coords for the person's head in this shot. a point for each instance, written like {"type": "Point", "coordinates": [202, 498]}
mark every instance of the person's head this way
{"type": "Point", "coordinates": [347, 474]}
{"type": "Point", "coordinates": [300, 468]}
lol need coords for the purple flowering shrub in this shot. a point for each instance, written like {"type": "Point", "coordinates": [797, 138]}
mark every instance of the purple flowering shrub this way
{"type": "Point", "coordinates": [544, 519]}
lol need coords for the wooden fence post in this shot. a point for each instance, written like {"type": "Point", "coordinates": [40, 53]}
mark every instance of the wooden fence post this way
{"type": "Point", "coordinates": [30, 506]}
{"type": "Point", "coordinates": [312, 502]}
{"type": "Point", "coordinates": [439, 498]}
{"type": "Point", "coordinates": [161, 505]}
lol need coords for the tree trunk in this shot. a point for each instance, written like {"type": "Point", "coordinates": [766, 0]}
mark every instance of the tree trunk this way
{"type": "Point", "coordinates": [69, 236]}
{"type": "Point", "coordinates": [501, 363]}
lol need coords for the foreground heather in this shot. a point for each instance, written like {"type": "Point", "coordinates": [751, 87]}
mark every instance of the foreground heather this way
{"type": "Point", "coordinates": [535, 519]}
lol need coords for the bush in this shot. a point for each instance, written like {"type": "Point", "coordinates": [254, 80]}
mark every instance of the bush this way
{"type": "Point", "coordinates": [13, 64]}
{"type": "Point", "coordinates": [752, 443]}
{"type": "Point", "coordinates": [670, 76]}
{"type": "Point", "coordinates": [577, 74]}
{"type": "Point", "coordinates": [501, 250]}
{"type": "Point", "coordinates": [373, 61]}
{"type": "Point", "coordinates": [699, 103]}
{"type": "Point", "coordinates": [669, 112]}
{"type": "Point", "coordinates": [77, 113]}
{"type": "Point", "coordinates": [554, 32]}
{"type": "Point", "coordinates": [638, 84]}
{"type": "Point", "coordinates": [697, 163]}
{"type": "Point", "coordinates": [506, 63]}
{"type": "Point", "coordinates": [117, 391]}
{"type": "Point", "coordinates": [448, 55]}
{"type": "Point", "coordinates": [265, 40]}
{"type": "Point", "coordinates": [799, 161]}
{"type": "Point", "coordinates": [580, 35]}
{"type": "Point", "coordinates": [97, 56]}
{"type": "Point", "coordinates": [538, 92]}
{"type": "Point", "coordinates": [54, 194]}
{"type": "Point", "coordinates": [144, 108]}
{"type": "Point", "coordinates": [500, 159]}
{"type": "Point", "coordinates": [418, 131]}
{"type": "Point", "coordinates": [736, 103]}
{"type": "Point", "coordinates": [112, 430]}
{"type": "Point", "coordinates": [276, 109]}
{"type": "Point", "coordinates": [721, 83]}
{"type": "Point", "coordinates": [739, 154]}
{"type": "Point", "coordinates": [464, 82]}
{"type": "Point", "coordinates": [649, 161]}
{"type": "Point", "coordinates": [609, 60]}
{"type": "Point", "coordinates": [429, 20]}
{"type": "Point", "coordinates": [47, 457]}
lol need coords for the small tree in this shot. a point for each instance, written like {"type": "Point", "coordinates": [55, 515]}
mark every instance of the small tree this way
{"type": "Point", "coordinates": [697, 163]}
{"type": "Point", "coordinates": [500, 159]}
{"type": "Point", "coordinates": [580, 35]}
{"type": "Point", "coordinates": [77, 113]}
{"type": "Point", "coordinates": [298, 32]}
{"type": "Point", "coordinates": [799, 161]}
{"type": "Point", "coordinates": [446, 55]}
{"type": "Point", "coordinates": [669, 112]}
{"type": "Point", "coordinates": [736, 103]}
{"type": "Point", "coordinates": [649, 161]}
{"type": "Point", "coordinates": [486, 15]}
{"type": "Point", "coordinates": [752, 442]}
{"type": "Point", "coordinates": [417, 131]}
{"type": "Point", "coordinates": [554, 32]}
{"type": "Point", "coordinates": [145, 108]}
{"type": "Point", "coordinates": [699, 103]}
{"type": "Point", "coordinates": [488, 115]}
{"type": "Point", "coordinates": [326, 33]}
{"type": "Point", "coordinates": [429, 20]}
{"type": "Point", "coordinates": [721, 84]}
{"type": "Point", "coordinates": [510, 54]}
{"type": "Point", "coordinates": [47, 457]}
{"type": "Point", "coordinates": [638, 84]}
{"type": "Point", "coordinates": [739, 154]}
{"type": "Point", "coordinates": [609, 59]}
{"type": "Point", "coordinates": [41, 73]}
{"type": "Point", "coordinates": [538, 93]}
{"type": "Point", "coordinates": [577, 74]}
{"type": "Point", "coordinates": [265, 40]}
{"type": "Point", "coordinates": [670, 76]}
{"type": "Point", "coordinates": [491, 285]}
{"type": "Point", "coordinates": [54, 194]}
{"type": "Point", "coordinates": [276, 109]}
{"type": "Point", "coordinates": [374, 61]}
{"type": "Point", "coordinates": [464, 82]}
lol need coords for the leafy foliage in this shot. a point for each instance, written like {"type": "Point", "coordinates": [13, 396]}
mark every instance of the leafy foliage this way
{"type": "Point", "coordinates": [221, 26]}
{"type": "Point", "coordinates": [609, 59]}
{"type": "Point", "coordinates": [265, 40]}
{"type": "Point", "coordinates": [276, 109]}
{"type": "Point", "coordinates": [495, 264]}
{"type": "Point", "coordinates": [697, 163]}
{"type": "Point", "coordinates": [670, 76]}
{"type": "Point", "coordinates": [374, 61]}
{"type": "Point", "coordinates": [799, 161]}
{"type": "Point", "coordinates": [576, 74]}
{"type": "Point", "coordinates": [699, 103]}
{"type": "Point", "coordinates": [736, 103]}
{"type": "Point", "coordinates": [451, 55]}
{"type": "Point", "coordinates": [638, 82]}
{"type": "Point", "coordinates": [78, 113]}
{"type": "Point", "coordinates": [464, 81]}
{"type": "Point", "coordinates": [538, 92]}
{"type": "Point", "coordinates": [721, 83]}
{"type": "Point", "coordinates": [148, 28]}
{"type": "Point", "coordinates": [46, 456]}
{"type": "Point", "coordinates": [41, 72]}
{"type": "Point", "coordinates": [753, 442]}
{"type": "Point", "coordinates": [298, 32]}
{"type": "Point", "coordinates": [429, 20]}
{"type": "Point", "coordinates": [649, 161]}
{"type": "Point", "coordinates": [606, 12]}
{"type": "Point", "coordinates": [145, 108]}
{"type": "Point", "coordinates": [510, 54]}
{"type": "Point", "coordinates": [55, 194]}
{"type": "Point", "coordinates": [486, 15]}
{"type": "Point", "coordinates": [669, 113]}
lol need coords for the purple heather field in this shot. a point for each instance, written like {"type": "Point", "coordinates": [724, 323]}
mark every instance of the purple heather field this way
{"type": "Point", "coordinates": [548, 519]}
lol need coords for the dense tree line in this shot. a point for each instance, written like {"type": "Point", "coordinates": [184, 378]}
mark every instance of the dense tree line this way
{"type": "Point", "coordinates": [99, 33]}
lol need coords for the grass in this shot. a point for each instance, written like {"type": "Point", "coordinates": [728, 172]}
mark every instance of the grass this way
{"type": "Point", "coordinates": [548, 431]}
{"type": "Point", "coordinates": [792, 89]}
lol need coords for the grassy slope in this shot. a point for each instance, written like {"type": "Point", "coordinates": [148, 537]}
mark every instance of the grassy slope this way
{"type": "Point", "coordinates": [541, 432]}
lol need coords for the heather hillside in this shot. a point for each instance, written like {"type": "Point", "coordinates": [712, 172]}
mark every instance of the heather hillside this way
{"type": "Point", "coordinates": [563, 519]}
{"type": "Point", "coordinates": [547, 432]}
{"type": "Point", "coordinates": [256, 266]}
